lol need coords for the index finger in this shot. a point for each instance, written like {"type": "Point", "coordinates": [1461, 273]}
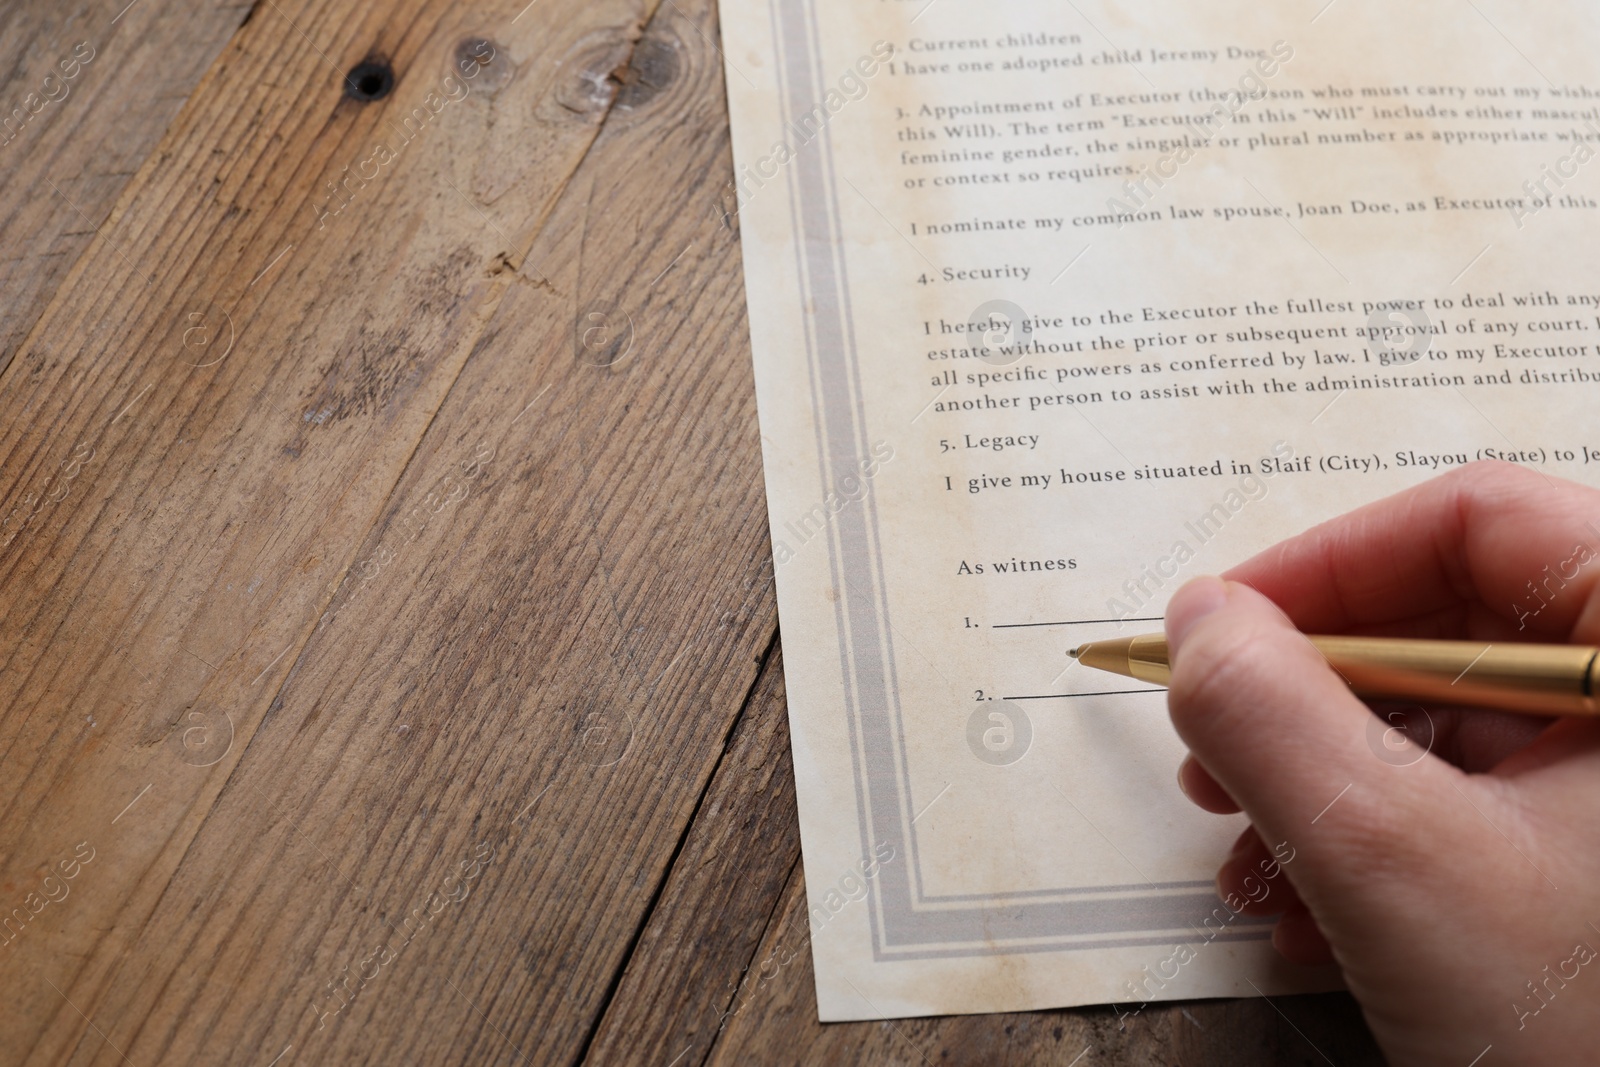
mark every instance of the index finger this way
{"type": "Point", "coordinates": [1490, 535]}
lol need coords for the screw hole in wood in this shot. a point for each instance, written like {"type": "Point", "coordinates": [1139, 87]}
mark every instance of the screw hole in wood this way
{"type": "Point", "coordinates": [368, 81]}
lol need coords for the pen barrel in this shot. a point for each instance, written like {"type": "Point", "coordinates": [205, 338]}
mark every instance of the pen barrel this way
{"type": "Point", "coordinates": [1553, 679]}
{"type": "Point", "coordinates": [1148, 660]}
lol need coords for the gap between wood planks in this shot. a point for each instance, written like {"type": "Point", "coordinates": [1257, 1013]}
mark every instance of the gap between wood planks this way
{"type": "Point", "coordinates": [672, 864]}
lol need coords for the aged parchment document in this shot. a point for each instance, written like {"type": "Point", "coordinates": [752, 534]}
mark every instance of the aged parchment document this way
{"type": "Point", "coordinates": [1055, 305]}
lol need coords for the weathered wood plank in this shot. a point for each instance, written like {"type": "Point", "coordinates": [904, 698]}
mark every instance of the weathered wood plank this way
{"type": "Point", "coordinates": [477, 770]}
{"type": "Point", "coordinates": [201, 431]}
{"type": "Point", "coordinates": [85, 94]}
{"type": "Point", "coordinates": [700, 943]}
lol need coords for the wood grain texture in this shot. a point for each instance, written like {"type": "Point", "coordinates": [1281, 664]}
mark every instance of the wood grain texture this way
{"type": "Point", "coordinates": [385, 578]}
{"type": "Point", "coordinates": [572, 495]}
{"type": "Point", "coordinates": [684, 979]}
{"type": "Point", "coordinates": [536, 685]}
{"type": "Point", "coordinates": [180, 508]}
{"type": "Point", "coordinates": [85, 93]}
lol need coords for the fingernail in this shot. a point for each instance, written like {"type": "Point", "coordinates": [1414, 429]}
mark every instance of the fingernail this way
{"type": "Point", "coordinates": [1225, 882]}
{"type": "Point", "coordinates": [1196, 600]}
{"type": "Point", "coordinates": [1183, 787]}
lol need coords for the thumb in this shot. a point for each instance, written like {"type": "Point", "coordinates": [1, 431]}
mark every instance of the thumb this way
{"type": "Point", "coordinates": [1279, 730]}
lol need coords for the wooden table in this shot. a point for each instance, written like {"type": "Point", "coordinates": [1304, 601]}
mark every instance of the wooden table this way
{"type": "Point", "coordinates": [390, 663]}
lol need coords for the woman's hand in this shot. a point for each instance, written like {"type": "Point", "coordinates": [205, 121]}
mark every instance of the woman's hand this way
{"type": "Point", "coordinates": [1458, 886]}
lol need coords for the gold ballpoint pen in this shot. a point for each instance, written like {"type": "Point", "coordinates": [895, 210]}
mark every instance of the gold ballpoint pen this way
{"type": "Point", "coordinates": [1537, 679]}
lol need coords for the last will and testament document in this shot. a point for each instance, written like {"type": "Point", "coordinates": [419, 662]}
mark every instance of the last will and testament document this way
{"type": "Point", "coordinates": [1055, 305]}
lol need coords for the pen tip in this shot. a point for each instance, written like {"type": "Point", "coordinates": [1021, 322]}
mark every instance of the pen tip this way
{"type": "Point", "coordinates": [1073, 652]}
